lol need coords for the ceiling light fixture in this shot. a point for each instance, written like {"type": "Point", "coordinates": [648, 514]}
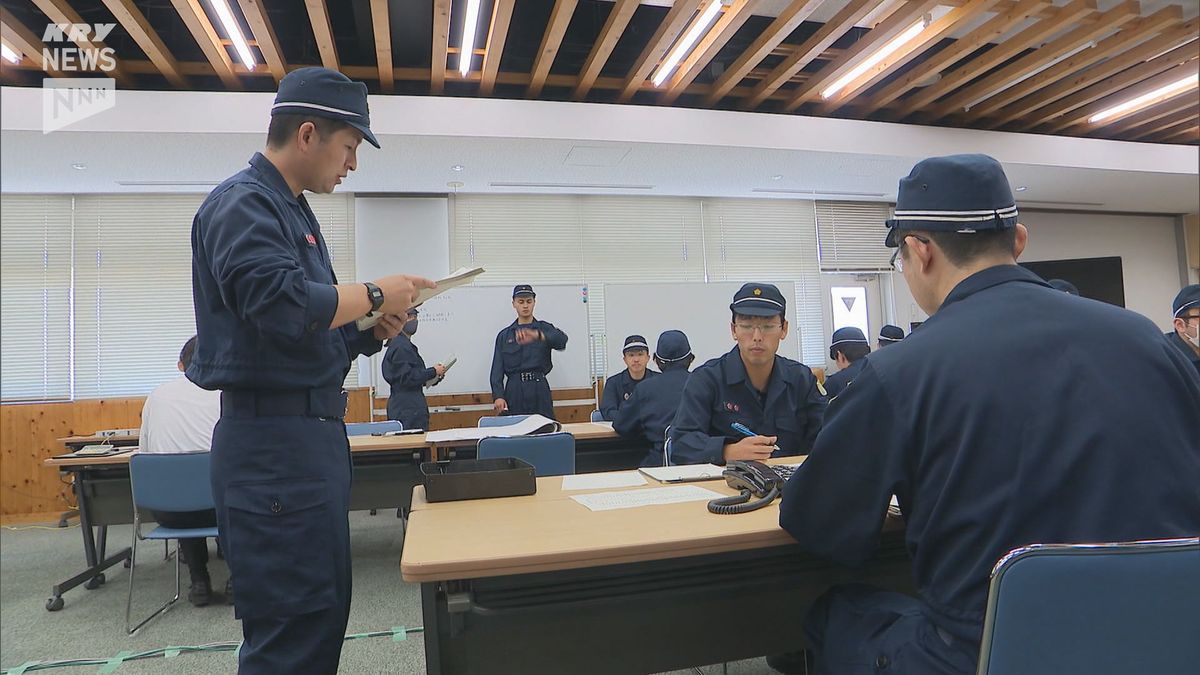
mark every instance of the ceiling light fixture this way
{"type": "Point", "coordinates": [9, 55]}
{"type": "Point", "coordinates": [467, 43]}
{"type": "Point", "coordinates": [777, 176]}
{"type": "Point", "coordinates": [1146, 100]}
{"type": "Point", "coordinates": [1021, 188]}
{"type": "Point", "coordinates": [874, 59]}
{"type": "Point", "coordinates": [225, 14]}
{"type": "Point", "coordinates": [457, 167]}
{"type": "Point", "coordinates": [698, 28]}
{"type": "Point", "coordinates": [1025, 76]}
{"type": "Point", "coordinates": [79, 167]}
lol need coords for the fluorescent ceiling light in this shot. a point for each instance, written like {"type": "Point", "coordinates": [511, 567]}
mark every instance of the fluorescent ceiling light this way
{"type": "Point", "coordinates": [467, 43]}
{"type": "Point", "coordinates": [1148, 99]}
{"type": "Point", "coordinates": [682, 47]}
{"type": "Point", "coordinates": [234, 32]}
{"type": "Point", "coordinates": [887, 50]}
{"type": "Point", "coordinates": [9, 55]}
{"type": "Point", "coordinates": [1012, 83]}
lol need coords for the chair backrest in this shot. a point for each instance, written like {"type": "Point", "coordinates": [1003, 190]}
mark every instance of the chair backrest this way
{"type": "Point", "coordinates": [550, 454]}
{"type": "Point", "coordinates": [597, 416]}
{"type": "Point", "coordinates": [368, 428]}
{"type": "Point", "coordinates": [500, 420]}
{"type": "Point", "coordinates": [172, 482]}
{"type": "Point", "coordinates": [1103, 609]}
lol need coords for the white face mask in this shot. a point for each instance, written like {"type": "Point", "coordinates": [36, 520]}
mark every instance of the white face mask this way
{"type": "Point", "coordinates": [1193, 340]}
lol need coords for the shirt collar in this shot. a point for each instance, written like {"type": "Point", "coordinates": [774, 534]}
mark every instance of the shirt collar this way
{"type": "Point", "coordinates": [735, 372]}
{"type": "Point", "coordinates": [992, 276]}
{"type": "Point", "coordinates": [271, 176]}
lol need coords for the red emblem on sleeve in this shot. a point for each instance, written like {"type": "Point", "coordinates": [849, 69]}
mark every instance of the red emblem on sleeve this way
{"type": "Point", "coordinates": [312, 241]}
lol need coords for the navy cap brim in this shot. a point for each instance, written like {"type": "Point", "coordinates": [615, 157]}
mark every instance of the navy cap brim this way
{"type": "Point", "coordinates": [367, 135]}
{"type": "Point", "coordinates": [525, 294]}
{"type": "Point", "coordinates": [752, 310]}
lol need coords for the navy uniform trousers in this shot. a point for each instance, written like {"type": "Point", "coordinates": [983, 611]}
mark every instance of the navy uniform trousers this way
{"type": "Point", "coordinates": [526, 397]}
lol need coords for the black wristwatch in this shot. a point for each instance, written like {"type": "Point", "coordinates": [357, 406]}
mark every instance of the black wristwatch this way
{"type": "Point", "coordinates": [375, 294]}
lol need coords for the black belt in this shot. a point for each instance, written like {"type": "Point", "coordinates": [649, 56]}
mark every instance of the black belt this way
{"type": "Point", "coordinates": [302, 402]}
{"type": "Point", "coordinates": [530, 376]}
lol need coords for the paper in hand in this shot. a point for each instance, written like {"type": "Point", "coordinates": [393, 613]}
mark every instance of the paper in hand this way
{"type": "Point", "coordinates": [460, 277]}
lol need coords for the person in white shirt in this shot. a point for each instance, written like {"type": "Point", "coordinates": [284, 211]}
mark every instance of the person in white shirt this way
{"type": "Point", "coordinates": [178, 416]}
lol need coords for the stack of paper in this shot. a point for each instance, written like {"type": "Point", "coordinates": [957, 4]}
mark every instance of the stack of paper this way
{"type": "Point", "coordinates": [459, 277]}
{"type": "Point", "coordinates": [591, 481]}
{"type": "Point", "coordinates": [534, 424]}
{"type": "Point", "coordinates": [683, 474]}
{"type": "Point", "coordinates": [628, 499]}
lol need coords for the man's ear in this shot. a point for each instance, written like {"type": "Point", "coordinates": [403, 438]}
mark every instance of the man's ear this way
{"type": "Point", "coordinates": [1021, 240]}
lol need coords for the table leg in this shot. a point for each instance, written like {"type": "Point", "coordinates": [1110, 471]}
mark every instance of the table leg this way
{"type": "Point", "coordinates": [432, 633]}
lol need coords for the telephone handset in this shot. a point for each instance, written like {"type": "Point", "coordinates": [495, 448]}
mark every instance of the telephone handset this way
{"type": "Point", "coordinates": [751, 479]}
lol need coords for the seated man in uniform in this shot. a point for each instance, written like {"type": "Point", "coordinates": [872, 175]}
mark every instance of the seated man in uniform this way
{"type": "Point", "coordinates": [651, 408]}
{"type": "Point", "coordinates": [848, 350]}
{"type": "Point", "coordinates": [774, 397]}
{"type": "Point", "coordinates": [406, 375]}
{"type": "Point", "coordinates": [178, 416]}
{"type": "Point", "coordinates": [521, 360]}
{"type": "Point", "coordinates": [980, 461]}
{"type": "Point", "coordinates": [889, 335]}
{"type": "Point", "coordinates": [619, 387]}
{"type": "Point", "coordinates": [1186, 312]}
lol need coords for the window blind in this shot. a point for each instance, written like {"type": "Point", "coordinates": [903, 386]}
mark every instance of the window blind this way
{"type": "Point", "coordinates": [335, 213]}
{"type": "Point", "coordinates": [851, 236]}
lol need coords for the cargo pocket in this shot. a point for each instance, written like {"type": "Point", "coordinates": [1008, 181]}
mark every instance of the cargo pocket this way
{"type": "Point", "coordinates": [282, 537]}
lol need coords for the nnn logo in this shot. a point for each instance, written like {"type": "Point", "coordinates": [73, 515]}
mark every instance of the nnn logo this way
{"type": "Point", "coordinates": [67, 100]}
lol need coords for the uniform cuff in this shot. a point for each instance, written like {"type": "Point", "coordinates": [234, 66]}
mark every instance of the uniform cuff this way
{"type": "Point", "coordinates": [322, 304]}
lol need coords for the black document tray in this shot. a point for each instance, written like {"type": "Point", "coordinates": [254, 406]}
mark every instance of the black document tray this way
{"type": "Point", "coordinates": [477, 479]}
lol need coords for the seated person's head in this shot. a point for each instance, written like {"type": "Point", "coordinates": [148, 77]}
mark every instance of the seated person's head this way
{"type": "Point", "coordinates": [890, 334]}
{"type": "Point", "coordinates": [673, 351]}
{"type": "Point", "coordinates": [758, 324]}
{"type": "Point", "coordinates": [636, 355]}
{"type": "Point", "coordinates": [954, 216]}
{"type": "Point", "coordinates": [1186, 312]}
{"type": "Point", "coordinates": [185, 354]}
{"type": "Point", "coordinates": [848, 345]}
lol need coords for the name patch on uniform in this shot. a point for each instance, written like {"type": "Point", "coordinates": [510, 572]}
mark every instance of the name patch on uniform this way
{"type": "Point", "coordinates": [312, 241]}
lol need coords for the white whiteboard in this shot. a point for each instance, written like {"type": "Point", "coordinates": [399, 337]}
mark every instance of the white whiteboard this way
{"type": "Point", "coordinates": [700, 310]}
{"type": "Point", "coordinates": [464, 322]}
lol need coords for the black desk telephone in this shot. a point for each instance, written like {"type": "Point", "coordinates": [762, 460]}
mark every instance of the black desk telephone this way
{"type": "Point", "coordinates": [752, 479]}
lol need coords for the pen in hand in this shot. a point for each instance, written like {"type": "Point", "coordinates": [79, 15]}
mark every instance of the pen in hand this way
{"type": "Point", "coordinates": [745, 431]}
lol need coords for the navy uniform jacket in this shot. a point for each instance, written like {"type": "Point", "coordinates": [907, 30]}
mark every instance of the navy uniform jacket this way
{"type": "Point", "coordinates": [406, 374]}
{"type": "Point", "coordinates": [837, 382]}
{"type": "Point", "coordinates": [262, 282]}
{"type": "Point", "coordinates": [997, 425]}
{"type": "Point", "coordinates": [1185, 348]}
{"type": "Point", "coordinates": [719, 393]}
{"type": "Point", "coordinates": [510, 357]}
{"type": "Point", "coordinates": [617, 390]}
{"type": "Point", "coordinates": [651, 409]}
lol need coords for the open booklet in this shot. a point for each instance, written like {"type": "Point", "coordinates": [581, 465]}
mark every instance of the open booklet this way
{"type": "Point", "coordinates": [459, 277]}
{"type": "Point", "coordinates": [449, 363]}
{"type": "Point", "coordinates": [534, 424]}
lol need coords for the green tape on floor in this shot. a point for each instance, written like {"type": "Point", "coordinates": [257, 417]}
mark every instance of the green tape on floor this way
{"type": "Point", "coordinates": [399, 634]}
{"type": "Point", "coordinates": [20, 670]}
{"type": "Point", "coordinates": [114, 663]}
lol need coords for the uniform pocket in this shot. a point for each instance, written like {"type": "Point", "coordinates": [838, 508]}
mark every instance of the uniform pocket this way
{"type": "Point", "coordinates": [510, 355]}
{"type": "Point", "coordinates": [281, 537]}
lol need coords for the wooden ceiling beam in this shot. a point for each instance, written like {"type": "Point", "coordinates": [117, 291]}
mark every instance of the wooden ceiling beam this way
{"type": "Point", "coordinates": [726, 26]}
{"type": "Point", "coordinates": [1120, 94]}
{"type": "Point", "coordinates": [560, 18]}
{"type": "Point", "coordinates": [1157, 119]}
{"type": "Point", "coordinates": [826, 35]}
{"type": "Point", "coordinates": [672, 24]}
{"type": "Point", "coordinates": [134, 22]}
{"type": "Point", "coordinates": [441, 40]}
{"type": "Point", "coordinates": [58, 11]}
{"type": "Point", "coordinates": [497, 35]}
{"type": "Point", "coordinates": [192, 13]}
{"type": "Point", "coordinates": [614, 26]}
{"type": "Point", "coordinates": [889, 29]}
{"type": "Point", "coordinates": [1040, 58]}
{"type": "Point", "coordinates": [25, 42]}
{"type": "Point", "coordinates": [381, 29]}
{"type": "Point", "coordinates": [1184, 133]}
{"type": "Point", "coordinates": [1059, 97]}
{"type": "Point", "coordinates": [764, 45]}
{"type": "Point", "coordinates": [264, 36]}
{"type": "Point", "coordinates": [318, 16]}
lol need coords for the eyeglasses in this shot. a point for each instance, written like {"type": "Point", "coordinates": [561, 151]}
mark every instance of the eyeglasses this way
{"type": "Point", "coordinates": [751, 328]}
{"type": "Point", "coordinates": [897, 261]}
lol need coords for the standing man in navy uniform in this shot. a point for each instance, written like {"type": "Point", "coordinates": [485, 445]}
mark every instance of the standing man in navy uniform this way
{"type": "Point", "coordinates": [848, 350]}
{"type": "Point", "coordinates": [775, 397]}
{"type": "Point", "coordinates": [521, 360]}
{"type": "Point", "coordinates": [276, 335]}
{"type": "Point", "coordinates": [980, 461]}
{"type": "Point", "coordinates": [1186, 312]}
{"type": "Point", "coordinates": [889, 335]}
{"type": "Point", "coordinates": [619, 387]}
{"type": "Point", "coordinates": [652, 406]}
{"type": "Point", "coordinates": [406, 375]}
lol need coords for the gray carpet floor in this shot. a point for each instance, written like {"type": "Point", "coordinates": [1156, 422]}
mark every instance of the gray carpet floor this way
{"type": "Point", "coordinates": [92, 623]}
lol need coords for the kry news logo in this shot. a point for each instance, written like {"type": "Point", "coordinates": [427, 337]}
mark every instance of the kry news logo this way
{"type": "Point", "coordinates": [67, 100]}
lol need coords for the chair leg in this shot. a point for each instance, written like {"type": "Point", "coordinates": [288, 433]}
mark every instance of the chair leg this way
{"type": "Point", "coordinates": [129, 601]}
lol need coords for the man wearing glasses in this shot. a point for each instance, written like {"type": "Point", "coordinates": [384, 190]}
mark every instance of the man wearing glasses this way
{"type": "Point", "coordinates": [775, 401]}
{"type": "Point", "coordinates": [1186, 310]}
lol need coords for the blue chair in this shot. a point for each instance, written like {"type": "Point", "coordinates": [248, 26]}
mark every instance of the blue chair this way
{"type": "Point", "coordinates": [597, 416]}
{"type": "Point", "coordinates": [501, 420]}
{"type": "Point", "coordinates": [368, 428]}
{"type": "Point", "coordinates": [1102, 609]}
{"type": "Point", "coordinates": [167, 482]}
{"type": "Point", "coordinates": [550, 454]}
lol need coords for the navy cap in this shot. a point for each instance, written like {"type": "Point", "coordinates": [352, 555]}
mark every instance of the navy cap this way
{"type": "Point", "coordinates": [890, 333]}
{"type": "Point", "coordinates": [1064, 286]}
{"type": "Point", "coordinates": [322, 92]}
{"type": "Point", "coordinates": [523, 290]}
{"type": "Point", "coordinates": [672, 346]}
{"type": "Point", "coordinates": [846, 335]}
{"type": "Point", "coordinates": [1188, 298]}
{"type": "Point", "coordinates": [635, 342]}
{"type": "Point", "coordinates": [758, 300]}
{"type": "Point", "coordinates": [957, 193]}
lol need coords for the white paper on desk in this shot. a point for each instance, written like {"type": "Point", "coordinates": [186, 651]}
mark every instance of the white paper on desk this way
{"type": "Point", "coordinates": [604, 423]}
{"type": "Point", "coordinates": [628, 499]}
{"type": "Point", "coordinates": [684, 473]}
{"type": "Point", "coordinates": [591, 481]}
{"type": "Point", "coordinates": [459, 277]}
{"type": "Point", "coordinates": [534, 424]}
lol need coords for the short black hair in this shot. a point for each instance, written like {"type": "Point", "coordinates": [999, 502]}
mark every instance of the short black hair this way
{"type": "Point", "coordinates": [853, 351]}
{"type": "Point", "coordinates": [685, 362]}
{"type": "Point", "coordinates": [185, 354]}
{"type": "Point", "coordinates": [284, 127]}
{"type": "Point", "coordinates": [963, 248]}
